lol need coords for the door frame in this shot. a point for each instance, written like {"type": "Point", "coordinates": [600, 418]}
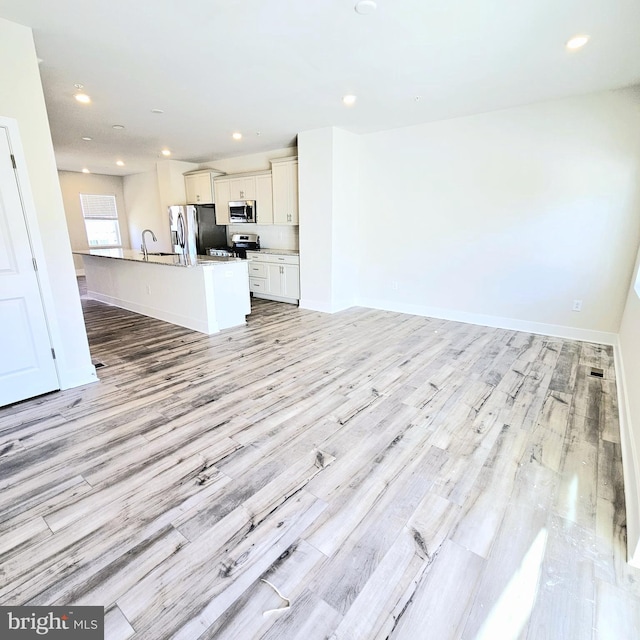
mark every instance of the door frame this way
{"type": "Point", "coordinates": [33, 231]}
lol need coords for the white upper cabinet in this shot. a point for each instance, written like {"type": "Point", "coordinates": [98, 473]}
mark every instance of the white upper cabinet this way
{"type": "Point", "coordinates": [199, 189]}
{"type": "Point", "coordinates": [242, 188]}
{"type": "Point", "coordinates": [198, 186]}
{"type": "Point", "coordinates": [254, 186]}
{"type": "Point", "coordinates": [285, 190]}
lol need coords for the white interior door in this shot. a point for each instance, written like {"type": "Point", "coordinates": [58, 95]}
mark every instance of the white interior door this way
{"type": "Point", "coordinates": [27, 367]}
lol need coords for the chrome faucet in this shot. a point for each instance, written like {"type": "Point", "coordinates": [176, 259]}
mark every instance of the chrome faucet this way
{"type": "Point", "coordinates": [145, 251]}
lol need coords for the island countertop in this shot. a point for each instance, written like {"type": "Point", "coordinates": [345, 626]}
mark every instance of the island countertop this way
{"type": "Point", "coordinates": [171, 259]}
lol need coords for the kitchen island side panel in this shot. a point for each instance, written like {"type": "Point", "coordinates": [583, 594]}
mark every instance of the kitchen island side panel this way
{"type": "Point", "coordinates": [227, 289]}
{"type": "Point", "coordinates": [180, 295]}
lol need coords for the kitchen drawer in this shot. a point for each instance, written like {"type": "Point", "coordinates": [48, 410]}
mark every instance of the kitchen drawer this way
{"type": "Point", "coordinates": [272, 258]}
{"type": "Point", "coordinates": [258, 285]}
{"type": "Point", "coordinates": [257, 269]}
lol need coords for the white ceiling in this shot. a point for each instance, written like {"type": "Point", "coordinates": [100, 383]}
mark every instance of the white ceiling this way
{"type": "Point", "coordinates": [282, 66]}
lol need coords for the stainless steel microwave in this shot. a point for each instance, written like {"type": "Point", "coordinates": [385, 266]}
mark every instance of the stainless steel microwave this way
{"type": "Point", "coordinates": [242, 211]}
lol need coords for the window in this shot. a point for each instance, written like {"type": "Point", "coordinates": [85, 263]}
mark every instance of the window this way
{"type": "Point", "coordinates": [100, 220]}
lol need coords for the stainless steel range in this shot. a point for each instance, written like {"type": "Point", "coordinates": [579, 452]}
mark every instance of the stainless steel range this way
{"type": "Point", "coordinates": [221, 253]}
{"type": "Point", "coordinates": [243, 242]}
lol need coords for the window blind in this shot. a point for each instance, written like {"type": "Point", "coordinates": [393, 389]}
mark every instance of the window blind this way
{"type": "Point", "coordinates": [98, 207]}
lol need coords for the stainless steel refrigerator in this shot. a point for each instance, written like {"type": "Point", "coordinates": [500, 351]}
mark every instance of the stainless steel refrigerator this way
{"type": "Point", "coordinates": [194, 230]}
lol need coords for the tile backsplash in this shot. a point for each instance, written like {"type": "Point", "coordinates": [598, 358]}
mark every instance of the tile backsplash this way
{"type": "Point", "coordinates": [272, 236]}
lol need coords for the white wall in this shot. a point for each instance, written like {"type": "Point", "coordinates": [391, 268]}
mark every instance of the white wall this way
{"type": "Point", "coordinates": [506, 217]}
{"type": "Point", "coordinates": [329, 199]}
{"type": "Point", "coordinates": [142, 200]}
{"type": "Point", "coordinates": [344, 229]}
{"type": "Point", "coordinates": [21, 98]}
{"type": "Point", "coordinates": [171, 190]}
{"type": "Point", "coordinates": [72, 184]}
{"type": "Point", "coordinates": [315, 196]}
{"type": "Point", "coordinates": [628, 379]}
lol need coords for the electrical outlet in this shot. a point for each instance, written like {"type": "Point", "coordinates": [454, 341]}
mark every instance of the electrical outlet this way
{"type": "Point", "coordinates": [394, 285]}
{"type": "Point", "coordinates": [577, 305]}
{"type": "Point", "coordinates": [148, 289]}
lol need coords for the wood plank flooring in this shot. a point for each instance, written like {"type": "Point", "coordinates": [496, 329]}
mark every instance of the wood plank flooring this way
{"type": "Point", "coordinates": [392, 476]}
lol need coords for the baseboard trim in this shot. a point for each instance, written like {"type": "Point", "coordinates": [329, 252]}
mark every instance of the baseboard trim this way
{"type": "Point", "coordinates": [316, 305]}
{"type": "Point", "coordinates": [152, 312]}
{"type": "Point", "coordinates": [630, 466]}
{"type": "Point", "coordinates": [554, 330]}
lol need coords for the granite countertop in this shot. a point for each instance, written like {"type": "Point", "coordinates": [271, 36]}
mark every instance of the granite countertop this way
{"type": "Point", "coordinates": [279, 252]}
{"type": "Point", "coordinates": [172, 259]}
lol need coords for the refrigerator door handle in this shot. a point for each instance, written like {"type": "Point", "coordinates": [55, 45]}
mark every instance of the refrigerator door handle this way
{"type": "Point", "coordinates": [181, 239]}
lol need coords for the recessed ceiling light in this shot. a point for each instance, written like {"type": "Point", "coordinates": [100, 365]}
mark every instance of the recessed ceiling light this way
{"type": "Point", "coordinates": [82, 97]}
{"type": "Point", "coordinates": [349, 100]}
{"type": "Point", "coordinates": [237, 136]}
{"type": "Point", "coordinates": [85, 170]}
{"type": "Point", "coordinates": [120, 163]}
{"type": "Point", "coordinates": [577, 42]}
{"type": "Point", "coordinates": [364, 7]}
{"type": "Point", "coordinates": [87, 138]}
{"type": "Point", "coordinates": [157, 111]}
{"type": "Point", "coordinates": [118, 126]}
{"type": "Point", "coordinates": [165, 152]}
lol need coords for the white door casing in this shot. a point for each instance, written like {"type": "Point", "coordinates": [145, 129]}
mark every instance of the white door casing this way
{"type": "Point", "coordinates": [27, 365]}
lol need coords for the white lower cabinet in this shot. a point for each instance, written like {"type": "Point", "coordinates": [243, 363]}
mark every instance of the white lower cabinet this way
{"type": "Point", "coordinates": [274, 276]}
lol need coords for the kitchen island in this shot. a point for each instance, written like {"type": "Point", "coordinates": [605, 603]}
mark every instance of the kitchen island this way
{"type": "Point", "coordinates": [208, 296]}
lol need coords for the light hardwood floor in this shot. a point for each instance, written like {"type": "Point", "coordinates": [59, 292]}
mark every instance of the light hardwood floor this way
{"type": "Point", "coordinates": [392, 476]}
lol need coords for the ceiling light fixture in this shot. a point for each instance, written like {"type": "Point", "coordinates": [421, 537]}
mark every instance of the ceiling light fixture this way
{"type": "Point", "coordinates": [165, 152]}
{"type": "Point", "coordinates": [349, 100]}
{"type": "Point", "coordinates": [157, 111]}
{"type": "Point", "coordinates": [577, 42]}
{"type": "Point", "coordinates": [365, 7]}
{"type": "Point", "coordinates": [118, 126]}
{"type": "Point", "coordinates": [82, 97]}
{"type": "Point", "coordinates": [87, 138]}
{"type": "Point", "coordinates": [120, 163]}
{"type": "Point", "coordinates": [237, 136]}
{"type": "Point", "coordinates": [85, 170]}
